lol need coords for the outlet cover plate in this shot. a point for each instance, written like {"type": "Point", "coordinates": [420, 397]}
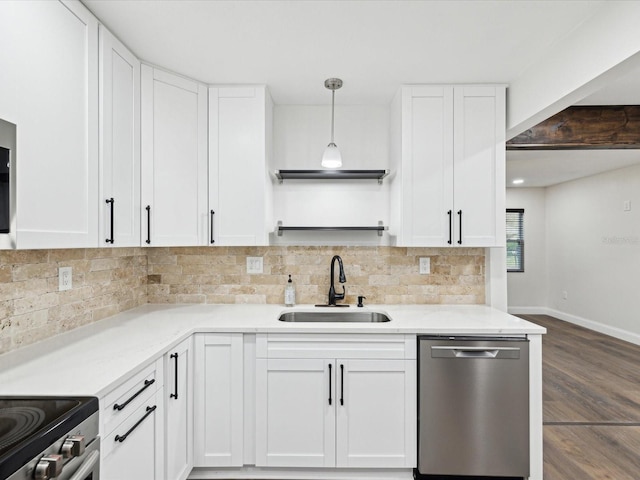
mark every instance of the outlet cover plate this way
{"type": "Point", "coordinates": [254, 265]}
{"type": "Point", "coordinates": [65, 278]}
{"type": "Point", "coordinates": [425, 265]}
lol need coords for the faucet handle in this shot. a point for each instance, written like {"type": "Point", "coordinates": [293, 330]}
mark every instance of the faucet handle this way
{"type": "Point", "coordinates": [340, 296]}
{"type": "Point", "coordinates": [360, 298]}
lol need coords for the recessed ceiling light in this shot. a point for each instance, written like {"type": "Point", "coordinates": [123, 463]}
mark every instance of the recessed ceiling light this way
{"type": "Point", "coordinates": [518, 181]}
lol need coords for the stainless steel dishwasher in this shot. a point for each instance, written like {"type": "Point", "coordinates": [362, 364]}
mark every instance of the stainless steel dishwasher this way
{"type": "Point", "coordinates": [473, 406]}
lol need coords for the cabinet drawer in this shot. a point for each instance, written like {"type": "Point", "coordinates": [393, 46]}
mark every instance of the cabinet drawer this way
{"type": "Point", "coordinates": [119, 404]}
{"type": "Point", "coordinates": [132, 449]}
{"type": "Point", "coordinates": [335, 346]}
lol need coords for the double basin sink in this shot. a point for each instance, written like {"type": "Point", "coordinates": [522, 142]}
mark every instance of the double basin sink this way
{"type": "Point", "coordinates": [334, 317]}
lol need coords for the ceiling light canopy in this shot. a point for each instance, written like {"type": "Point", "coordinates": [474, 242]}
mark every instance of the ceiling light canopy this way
{"type": "Point", "coordinates": [331, 157]}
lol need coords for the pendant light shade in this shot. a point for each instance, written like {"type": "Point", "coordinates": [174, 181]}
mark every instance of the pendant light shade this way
{"type": "Point", "coordinates": [331, 157]}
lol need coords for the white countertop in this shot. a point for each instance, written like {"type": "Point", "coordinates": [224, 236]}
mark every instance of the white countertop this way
{"type": "Point", "coordinates": [92, 360]}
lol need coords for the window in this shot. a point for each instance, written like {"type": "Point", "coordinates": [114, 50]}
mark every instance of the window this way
{"type": "Point", "coordinates": [515, 240]}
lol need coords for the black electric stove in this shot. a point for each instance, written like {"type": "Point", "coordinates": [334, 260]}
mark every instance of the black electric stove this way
{"type": "Point", "coordinates": [34, 426]}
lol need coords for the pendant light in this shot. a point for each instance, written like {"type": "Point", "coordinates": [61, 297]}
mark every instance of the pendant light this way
{"type": "Point", "coordinates": [331, 157]}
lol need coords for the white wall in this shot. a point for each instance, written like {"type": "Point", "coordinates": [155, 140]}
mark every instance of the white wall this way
{"type": "Point", "coordinates": [580, 240]}
{"type": "Point", "coordinates": [301, 134]}
{"type": "Point", "coordinates": [593, 252]}
{"type": "Point", "coordinates": [528, 289]}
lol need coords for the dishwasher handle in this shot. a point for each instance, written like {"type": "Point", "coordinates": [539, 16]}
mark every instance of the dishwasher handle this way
{"type": "Point", "coordinates": [459, 351]}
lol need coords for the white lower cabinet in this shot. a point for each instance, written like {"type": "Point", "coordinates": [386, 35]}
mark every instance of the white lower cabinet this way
{"type": "Point", "coordinates": [133, 428]}
{"type": "Point", "coordinates": [295, 413]}
{"type": "Point", "coordinates": [178, 397]}
{"type": "Point", "coordinates": [218, 400]}
{"type": "Point", "coordinates": [376, 415]}
{"type": "Point", "coordinates": [355, 411]}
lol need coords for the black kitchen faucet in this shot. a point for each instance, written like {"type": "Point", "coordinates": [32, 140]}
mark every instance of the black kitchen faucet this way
{"type": "Point", "coordinates": [333, 296]}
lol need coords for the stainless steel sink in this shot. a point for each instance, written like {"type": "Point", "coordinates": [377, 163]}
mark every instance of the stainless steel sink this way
{"type": "Point", "coordinates": [333, 317]}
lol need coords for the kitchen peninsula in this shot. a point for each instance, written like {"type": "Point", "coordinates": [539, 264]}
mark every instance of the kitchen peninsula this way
{"type": "Point", "coordinates": [222, 380]}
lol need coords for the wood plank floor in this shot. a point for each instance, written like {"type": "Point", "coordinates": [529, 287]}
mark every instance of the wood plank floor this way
{"type": "Point", "coordinates": [591, 399]}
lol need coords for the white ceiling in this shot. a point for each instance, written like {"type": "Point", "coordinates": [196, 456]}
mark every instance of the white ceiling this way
{"type": "Point", "coordinates": [543, 168]}
{"type": "Point", "coordinates": [374, 46]}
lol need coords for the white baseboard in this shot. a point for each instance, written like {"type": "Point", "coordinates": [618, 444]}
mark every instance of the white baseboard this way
{"type": "Point", "coordinates": [258, 473]}
{"type": "Point", "coordinates": [528, 310]}
{"type": "Point", "coordinates": [598, 327]}
{"type": "Point", "coordinates": [616, 332]}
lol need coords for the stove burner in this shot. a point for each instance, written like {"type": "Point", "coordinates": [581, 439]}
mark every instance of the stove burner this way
{"type": "Point", "coordinates": [18, 422]}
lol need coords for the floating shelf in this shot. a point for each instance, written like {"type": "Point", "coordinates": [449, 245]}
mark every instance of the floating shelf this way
{"type": "Point", "coordinates": [282, 175]}
{"type": "Point", "coordinates": [378, 228]}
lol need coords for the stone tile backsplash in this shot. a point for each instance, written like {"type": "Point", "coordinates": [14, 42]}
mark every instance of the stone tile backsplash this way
{"type": "Point", "coordinates": [382, 274]}
{"type": "Point", "coordinates": [105, 282]}
{"type": "Point", "coordinates": [109, 281]}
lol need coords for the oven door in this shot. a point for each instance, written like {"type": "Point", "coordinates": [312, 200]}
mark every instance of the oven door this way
{"type": "Point", "coordinates": [84, 467]}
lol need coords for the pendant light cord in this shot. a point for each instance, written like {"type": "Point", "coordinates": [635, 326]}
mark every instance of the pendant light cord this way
{"type": "Point", "coordinates": [333, 96]}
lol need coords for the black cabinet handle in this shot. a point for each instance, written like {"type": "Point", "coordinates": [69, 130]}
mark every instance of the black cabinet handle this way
{"type": "Point", "coordinates": [148, 240]}
{"type": "Point", "coordinates": [147, 384]}
{"type": "Point", "coordinates": [175, 357]}
{"type": "Point", "coordinates": [329, 384]}
{"type": "Point", "coordinates": [122, 438]}
{"type": "Point", "coordinates": [450, 227]}
{"type": "Point", "coordinates": [110, 201]}
{"type": "Point", "coordinates": [341, 384]}
{"type": "Point", "coordinates": [212, 214]}
{"type": "Point", "coordinates": [460, 231]}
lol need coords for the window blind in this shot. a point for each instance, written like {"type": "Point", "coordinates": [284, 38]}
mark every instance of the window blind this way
{"type": "Point", "coordinates": [515, 240]}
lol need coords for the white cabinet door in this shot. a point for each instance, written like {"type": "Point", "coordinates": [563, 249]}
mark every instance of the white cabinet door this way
{"type": "Point", "coordinates": [49, 89]}
{"type": "Point", "coordinates": [134, 449]}
{"type": "Point", "coordinates": [218, 400]}
{"type": "Point", "coordinates": [178, 396]}
{"type": "Point", "coordinates": [239, 131]}
{"type": "Point", "coordinates": [479, 154]}
{"type": "Point", "coordinates": [174, 159]}
{"type": "Point", "coordinates": [376, 413]}
{"type": "Point", "coordinates": [295, 413]}
{"type": "Point", "coordinates": [119, 144]}
{"type": "Point", "coordinates": [427, 173]}
{"type": "Point", "coordinates": [449, 155]}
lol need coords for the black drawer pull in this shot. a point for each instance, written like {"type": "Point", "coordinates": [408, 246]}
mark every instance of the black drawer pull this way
{"type": "Point", "coordinates": [122, 438]}
{"type": "Point", "coordinates": [329, 384]}
{"type": "Point", "coordinates": [341, 384]}
{"type": "Point", "coordinates": [450, 227]}
{"type": "Point", "coordinates": [460, 232]}
{"type": "Point", "coordinates": [147, 383]}
{"type": "Point", "coordinates": [110, 201]}
{"type": "Point", "coordinates": [148, 209]}
{"type": "Point", "coordinates": [175, 357]}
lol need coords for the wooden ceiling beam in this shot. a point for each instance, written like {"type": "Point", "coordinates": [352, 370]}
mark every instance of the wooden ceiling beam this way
{"type": "Point", "coordinates": [584, 127]}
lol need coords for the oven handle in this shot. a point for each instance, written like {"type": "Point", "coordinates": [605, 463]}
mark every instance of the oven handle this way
{"type": "Point", "coordinates": [87, 466]}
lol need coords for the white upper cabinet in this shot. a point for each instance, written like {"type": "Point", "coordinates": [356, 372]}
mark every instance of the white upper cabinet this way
{"type": "Point", "coordinates": [239, 149]}
{"type": "Point", "coordinates": [119, 144]}
{"type": "Point", "coordinates": [448, 155]}
{"type": "Point", "coordinates": [49, 89]}
{"type": "Point", "coordinates": [174, 160]}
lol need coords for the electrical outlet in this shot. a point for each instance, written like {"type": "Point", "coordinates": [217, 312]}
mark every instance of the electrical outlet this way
{"type": "Point", "coordinates": [65, 278]}
{"type": "Point", "coordinates": [425, 265]}
{"type": "Point", "coordinates": [627, 206]}
{"type": "Point", "coordinates": [565, 295]}
{"type": "Point", "coordinates": [254, 265]}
